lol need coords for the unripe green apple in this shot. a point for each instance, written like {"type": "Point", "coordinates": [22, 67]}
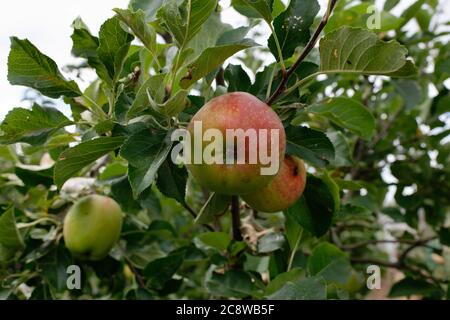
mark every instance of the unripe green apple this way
{"type": "Point", "coordinates": [283, 191]}
{"type": "Point", "coordinates": [92, 227]}
{"type": "Point", "coordinates": [238, 110]}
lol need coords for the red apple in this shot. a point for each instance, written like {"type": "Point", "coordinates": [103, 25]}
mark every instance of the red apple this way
{"type": "Point", "coordinates": [283, 191]}
{"type": "Point", "coordinates": [238, 110]}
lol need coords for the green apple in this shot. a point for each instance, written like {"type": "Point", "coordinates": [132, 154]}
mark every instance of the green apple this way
{"type": "Point", "coordinates": [283, 191]}
{"type": "Point", "coordinates": [92, 227]}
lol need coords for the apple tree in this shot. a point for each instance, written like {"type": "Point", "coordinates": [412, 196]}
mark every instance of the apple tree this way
{"type": "Point", "coordinates": [361, 93]}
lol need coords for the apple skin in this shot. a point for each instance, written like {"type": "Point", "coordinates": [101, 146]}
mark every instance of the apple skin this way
{"type": "Point", "coordinates": [236, 110]}
{"type": "Point", "coordinates": [92, 226]}
{"type": "Point", "coordinates": [283, 191]}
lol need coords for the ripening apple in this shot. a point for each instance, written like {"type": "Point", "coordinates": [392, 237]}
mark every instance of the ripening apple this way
{"type": "Point", "coordinates": [283, 191]}
{"type": "Point", "coordinates": [243, 112]}
{"type": "Point", "coordinates": [92, 227]}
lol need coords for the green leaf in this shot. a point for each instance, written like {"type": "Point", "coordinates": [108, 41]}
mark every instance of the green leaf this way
{"type": "Point", "coordinates": [331, 263]}
{"type": "Point", "coordinates": [410, 12]}
{"type": "Point", "coordinates": [216, 205]}
{"type": "Point", "coordinates": [254, 8]}
{"type": "Point", "coordinates": [390, 4]}
{"type": "Point", "coordinates": [360, 16]}
{"type": "Point", "coordinates": [292, 26]}
{"type": "Point", "coordinates": [270, 242]}
{"type": "Point", "coordinates": [136, 22]}
{"type": "Point", "coordinates": [32, 176]}
{"type": "Point", "coordinates": [114, 43]}
{"type": "Point", "coordinates": [172, 181]}
{"type": "Point", "coordinates": [149, 7]}
{"type": "Point", "coordinates": [311, 145]}
{"type": "Point", "coordinates": [184, 20]}
{"type": "Point", "coordinates": [346, 113]}
{"type": "Point", "coordinates": [31, 126]}
{"type": "Point", "coordinates": [84, 44]}
{"type": "Point", "coordinates": [409, 286]}
{"type": "Point", "coordinates": [316, 208]}
{"type": "Point", "coordinates": [74, 159]}
{"type": "Point", "coordinates": [234, 283]}
{"type": "Point", "coordinates": [237, 78]}
{"type": "Point", "coordinates": [353, 50]}
{"type": "Point", "coordinates": [27, 66]}
{"type": "Point", "coordinates": [311, 288]}
{"type": "Point", "coordinates": [152, 88]}
{"type": "Point", "coordinates": [343, 155]}
{"type": "Point", "coordinates": [216, 240]}
{"type": "Point", "coordinates": [293, 275]}
{"type": "Point", "coordinates": [10, 238]}
{"type": "Point", "coordinates": [159, 271]}
{"type": "Point", "coordinates": [210, 59]}
{"type": "Point", "coordinates": [145, 153]}
{"type": "Point", "coordinates": [444, 236]}
{"type": "Point", "coordinates": [174, 105]}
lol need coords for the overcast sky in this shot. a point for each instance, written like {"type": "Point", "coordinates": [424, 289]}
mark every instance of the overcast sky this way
{"type": "Point", "coordinates": [47, 24]}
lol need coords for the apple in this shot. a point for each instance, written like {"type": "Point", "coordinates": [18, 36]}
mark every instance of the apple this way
{"type": "Point", "coordinates": [92, 226]}
{"type": "Point", "coordinates": [238, 110]}
{"type": "Point", "coordinates": [283, 191]}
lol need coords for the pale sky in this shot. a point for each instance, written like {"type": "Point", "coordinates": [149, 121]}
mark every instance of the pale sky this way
{"type": "Point", "coordinates": [47, 24]}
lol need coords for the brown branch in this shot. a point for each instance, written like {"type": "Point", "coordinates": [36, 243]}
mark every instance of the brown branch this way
{"type": "Point", "coordinates": [306, 50]}
{"type": "Point", "coordinates": [236, 218]}
{"type": "Point", "coordinates": [139, 279]}
{"type": "Point", "coordinates": [220, 79]}
{"type": "Point", "coordinates": [400, 264]}
{"type": "Point", "coordinates": [421, 242]}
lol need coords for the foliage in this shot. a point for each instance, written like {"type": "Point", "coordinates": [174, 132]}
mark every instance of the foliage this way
{"type": "Point", "coordinates": [359, 108]}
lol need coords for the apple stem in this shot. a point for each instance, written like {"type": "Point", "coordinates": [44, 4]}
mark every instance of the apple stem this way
{"type": "Point", "coordinates": [236, 218]}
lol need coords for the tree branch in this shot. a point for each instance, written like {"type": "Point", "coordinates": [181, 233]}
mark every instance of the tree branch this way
{"type": "Point", "coordinates": [415, 243]}
{"type": "Point", "coordinates": [306, 50]}
{"type": "Point", "coordinates": [236, 218]}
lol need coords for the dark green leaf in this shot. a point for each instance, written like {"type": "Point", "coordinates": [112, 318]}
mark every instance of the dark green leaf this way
{"type": "Point", "coordinates": [27, 66]}
{"type": "Point", "coordinates": [237, 78]}
{"type": "Point", "coordinates": [74, 159]}
{"type": "Point", "coordinates": [292, 26]}
{"type": "Point", "coordinates": [315, 209]}
{"type": "Point", "coordinates": [254, 8]}
{"type": "Point", "coordinates": [159, 271]}
{"type": "Point", "coordinates": [210, 59]}
{"type": "Point", "coordinates": [216, 204]}
{"type": "Point", "coordinates": [409, 287]}
{"type": "Point", "coordinates": [234, 283]}
{"type": "Point", "coordinates": [114, 43]}
{"type": "Point", "coordinates": [331, 263]}
{"type": "Point", "coordinates": [145, 152]}
{"type": "Point", "coordinates": [311, 145]}
{"type": "Point", "coordinates": [32, 126]}
{"type": "Point", "coordinates": [312, 288]}
{"type": "Point", "coordinates": [172, 181]}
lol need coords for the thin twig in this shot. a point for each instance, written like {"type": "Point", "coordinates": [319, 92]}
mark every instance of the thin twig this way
{"type": "Point", "coordinates": [139, 279]}
{"type": "Point", "coordinates": [306, 50]}
{"type": "Point", "coordinates": [236, 218]}
{"type": "Point", "coordinates": [421, 242]}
